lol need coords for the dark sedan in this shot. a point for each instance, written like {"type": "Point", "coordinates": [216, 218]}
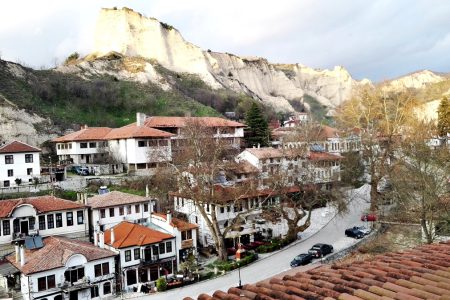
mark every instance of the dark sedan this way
{"type": "Point", "coordinates": [354, 232]}
{"type": "Point", "coordinates": [320, 250]}
{"type": "Point", "coordinates": [301, 260]}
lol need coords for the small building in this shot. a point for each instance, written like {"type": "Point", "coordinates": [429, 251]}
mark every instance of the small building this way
{"type": "Point", "coordinates": [145, 254]}
{"type": "Point", "coordinates": [19, 164]}
{"type": "Point", "coordinates": [42, 216]}
{"type": "Point", "coordinates": [109, 209]}
{"type": "Point", "coordinates": [61, 268]}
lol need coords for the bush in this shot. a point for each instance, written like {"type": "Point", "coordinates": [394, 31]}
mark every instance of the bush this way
{"type": "Point", "coordinates": [161, 284]}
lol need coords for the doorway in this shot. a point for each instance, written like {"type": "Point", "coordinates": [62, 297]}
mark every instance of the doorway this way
{"type": "Point", "coordinates": [73, 295]}
{"type": "Point", "coordinates": [24, 227]}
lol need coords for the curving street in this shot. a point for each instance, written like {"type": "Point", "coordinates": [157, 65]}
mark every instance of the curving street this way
{"type": "Point", "coordinates": [278, 262]}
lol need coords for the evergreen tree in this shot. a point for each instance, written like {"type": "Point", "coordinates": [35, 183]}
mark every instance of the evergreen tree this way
{"type": "Point", "coordinates": [258, 128]}
{"type": "Point", "coordinates": [444, 117]}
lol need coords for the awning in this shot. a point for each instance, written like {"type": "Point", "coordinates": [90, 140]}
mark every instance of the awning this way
{"type": "Point", "coordinates": [6, 269]}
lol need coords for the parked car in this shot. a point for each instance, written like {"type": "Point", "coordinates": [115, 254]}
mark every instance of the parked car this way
{"type": "Point", "coordinates": [363, 229]}
{"type": "Point", "coordinates": [369, 217]}
{"type": "Point", "coordinates": [320, 250]}
{"type": "Point", "coordinates": [301, 260]}
{"type": "Point", "coordinates": [75, 169]}
{"type": "Point", "coordinates": [354, 232]}
{"type": "Point", "coordinates": [84, 171]}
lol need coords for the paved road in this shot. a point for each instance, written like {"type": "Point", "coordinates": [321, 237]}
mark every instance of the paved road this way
{"type": "Point", "coordinates": [333, 233]}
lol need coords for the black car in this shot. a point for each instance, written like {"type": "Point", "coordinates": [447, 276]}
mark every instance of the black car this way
{"type": "Point", "coordinates": [320, 250]}
{"type": "Point", "coordinates": [301, 259]}
{"type": "Point", "coordinates": [354, 232]}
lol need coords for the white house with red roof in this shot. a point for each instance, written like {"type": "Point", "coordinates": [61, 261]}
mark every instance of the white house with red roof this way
{"type": "Point", "coordinates": [19, 162]}
{"type": "Point", "coordinates": [185, 234]}
{"type": "Point", "coordinates": [145, 254]}
{"type": "Point", "coordinates": [62, 268]}
{"type": "Point", "coordinates": [108, 210]}
{"type": "Point", "coordinates": [40, 216]}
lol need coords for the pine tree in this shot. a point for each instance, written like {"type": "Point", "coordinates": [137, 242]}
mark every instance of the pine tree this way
{"type": "Point", "coordinates": [258, 128]}
{"type": "Point", "coordinates": [444, 117]}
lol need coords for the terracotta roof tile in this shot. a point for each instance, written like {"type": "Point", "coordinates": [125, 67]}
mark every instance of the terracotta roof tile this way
{"type": "Point", "coordinates": [85, 134]}
{"type": "Point", "coordinates": [323, 156]}
{"type": "Point", "coordinates": [177, 223]}
{"type": "Point", "coordinates": [114, 198]}
{"type": "Point", "coordinates": [42, 204]}
{"type": "Point", "coordinates": [161, 121]}
{"type": "Point", "coordinates": [18, 147]}
{"type": "Point", "coordinates": [56, 252]}
{"type": "Point", "coordinates": [133, 131]}
{"type": "Point", "coordinates": [128, 234]}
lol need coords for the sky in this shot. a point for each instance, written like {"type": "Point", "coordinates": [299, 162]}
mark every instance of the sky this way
{"type": "Point", "coordinates": [376, 39]}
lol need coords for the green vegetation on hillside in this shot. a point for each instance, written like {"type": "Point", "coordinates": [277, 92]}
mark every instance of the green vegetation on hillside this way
{"type": "Point", "coordinates": [318, 110]}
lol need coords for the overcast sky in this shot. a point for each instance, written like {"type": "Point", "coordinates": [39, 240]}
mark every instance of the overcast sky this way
{"type": "Point", "coordinates": [376, 39]}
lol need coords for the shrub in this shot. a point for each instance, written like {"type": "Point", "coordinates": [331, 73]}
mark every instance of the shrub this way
{"type": "Point", "coordinates": [161, 284]}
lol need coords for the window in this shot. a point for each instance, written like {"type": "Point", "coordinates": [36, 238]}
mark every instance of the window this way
{"type": "Point", "coordinates": [102, 213]}
{"type": "Point", "coordinates": [141, 144]}
{"type": "Point", "coordinates": [107, 288]}
{"type": "Point", "coordinates": [137, 208]}
{"type": "Point", "coordinates": [121, 210]}
{"type": "Point", "coordinates": [137, 253]}
{"type": "Point", "coordinates": [128, 209]}
{"type": "Point", "coordinates": [6, 227]}
{"type": "Point", "coordinates": [153, 143]}
{"type": "Point", "coordinates": [29, 171]}
{"type": "Point", "coordinates": [163, 143]}
{"type": "Point", "coordinates": [146, 207]}
{"type": "Point", "coordinates": [222, 209]}
{"type": "Point", "coordinates": [6, 183]}
{"type": "Point", "coordinates": [9, 159]}
{"type": "Point", "coordinates": [45, 283]}
{"type": "Point", "coordinates": [131, 277]}
{"type": "Point", "coordinates": [59, 220]}
{"type": "Point", "coordinates": [169, 247]}
{"type": "Point", "coordinates": [162, 248]}
{"type": "Point", "coordinates": [155, 249]}
{"type": "Point", "coordinates": [127, 255]}
{"type": "Point", "coordinates": [80, 217]}
{"type": "Point", "coordinates": [28, 158]}
{"type": "Point", "coordinates": [111, 212]}
{"type": "Point", "coordinates": [41, 222]}
{"type": "Point", "coordinates": [83, 145]}
{"type": "Point", "coordinates": [69, 218]}
{"type": "Point", "coordinates": [10, 173]}
{"type": "Point", "coordinates": [101, 269]}
{"type": "Point", "coordinates": [92, 145]}
{"type": "Point", "coordinates": [94, 291]}
{"type": "Point", "coordinates": [73, 275]}
{"type": "Point", "coordinates": [50, 222]}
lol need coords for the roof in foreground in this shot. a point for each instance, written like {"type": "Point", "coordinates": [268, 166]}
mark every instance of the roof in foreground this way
{"type": "Point", "coordinates": [18, 147]}
{"type": "Point", "coordinates": [85, 134]}
{"type": "Point", "coordinates": [55, 253]}
{"type": "Point", "coordinates": [160, 121]}
{"type": "Point", "coordinates": [177, 223]}
{"type": "Point", "coordinates": [114, 198]}
{"type": "Point", "coordinates": [420, 273]}
{"type": "Point", "coordinates": [42, 204]}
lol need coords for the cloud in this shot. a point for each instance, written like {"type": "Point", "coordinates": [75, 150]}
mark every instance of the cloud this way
{"type": "Point", "coordinates": [377, 39]}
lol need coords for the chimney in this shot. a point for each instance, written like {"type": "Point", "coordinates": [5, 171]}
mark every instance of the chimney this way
{"type": "Point", "coordinates": [113, 237]}
{"type": "Point", "coordinates": [22, 256]}
{"type": "Point", "coordinates": [17, 249]}
{"type": "Point", "coordinates": [140, 119]}
{"type": "Point", "coordinates": [101, 240]}
{"type": "Point", "coordinates": [169, 217]}
{"type": "Point", "coordinates": [96, 238]}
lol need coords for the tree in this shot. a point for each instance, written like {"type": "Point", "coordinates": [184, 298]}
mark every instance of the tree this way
{"type": "Point", "coordinates": [257, 132]}
{"type": "Point", "coordinates": [420, 187]}
{"type": "Point", "coordinates": [382, 117]}
{"type": "Point", "coordinates": [444, 117]}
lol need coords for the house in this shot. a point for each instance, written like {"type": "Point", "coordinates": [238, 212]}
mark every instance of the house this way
{"type": "Point", "coordinates": [43, 216]}
{"type": "Point", "coordinates": [60, 268]}
{"type": "Point", "coordinates": [144, 254]}
{"type": "Point", "coordinates": [300, 118]}
{"type": "Point", "coordinates": [185, 234]}
{"type": "Point", "coordinates": [19, 164]}
{"type": "Point", "coordinates": [420, 273]}
{"type": "Point", "coordinates": [108, 210]}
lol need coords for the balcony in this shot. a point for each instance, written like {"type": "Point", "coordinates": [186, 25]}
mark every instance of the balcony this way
{"type": "Point", "coordinates": [149, 259]}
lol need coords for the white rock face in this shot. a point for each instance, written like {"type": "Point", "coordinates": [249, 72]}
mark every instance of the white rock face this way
{"type": "Point", "coordinates": [129, 33]}
{"type": "Point", "coordinates": [415, 80]}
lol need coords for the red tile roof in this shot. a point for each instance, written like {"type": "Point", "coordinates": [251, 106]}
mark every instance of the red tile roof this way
{"type": "Point", "coordinates": [55, 253]}
{"type": "Point", "coordinates": [114, 198]}
{"type": "Point", "coordinates": [243, 167]}
{"type": "Point", "coordinates": [265, 152]}
{"type": "Point", "coordinates": [42, 204]}
{"type": "Point", "coordinates": [181, 122]}
{"type": "Point", "coordinates": [85, 134]}
{"type": "Point", "coordinates": [133, 131]}
{"type": "Point", "coordinates": [128, 234]}
{"type": "Point", "coordinates": [18, 147]}
{"type": "Point", "coordinates": [177, 223]}
{"type": "Point", "coordinates": [323, 156]}
{"type": "Point", "coordinates": [420, 273]}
